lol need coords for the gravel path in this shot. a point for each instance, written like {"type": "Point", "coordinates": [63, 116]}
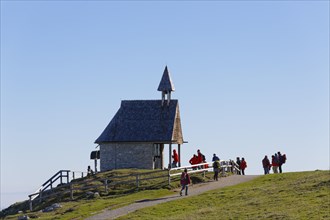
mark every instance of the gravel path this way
{"type": "Point", "coordinates": [193, 190]}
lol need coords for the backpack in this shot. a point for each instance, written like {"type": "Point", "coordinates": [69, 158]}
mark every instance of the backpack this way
{"type": "Point", "coordinates": [283, 158]}
{"type": "Point", "coordinates": [203, 157]}
{"type": "Point", "coordinates": [216, 164]}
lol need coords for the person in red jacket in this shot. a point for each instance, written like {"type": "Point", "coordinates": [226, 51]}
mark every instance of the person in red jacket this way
{"type": "Point", "coordinates": [275, 164]}
{"type": "Point", "coordinates": [243, 165]}
{"type": "Point", "coordinates": [201, 158]}
{"type": "Point", "coordinates": [185, 181]}
{"type": "Point", "coordinates": [175, 159]}
{"type": "Point", "coordinates": [193, 161]}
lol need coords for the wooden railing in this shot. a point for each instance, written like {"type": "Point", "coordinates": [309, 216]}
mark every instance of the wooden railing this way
{"type": "Point", "coordinates": [49, 184]}
{"type": "Point", "coordinates": [91, 183]}
{"type": "Point", "coordinates": [225, 167]}
{"type": "Point", "coordinates": [135, 179]}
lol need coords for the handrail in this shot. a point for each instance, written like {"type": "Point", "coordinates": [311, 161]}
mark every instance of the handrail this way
{"type": "Point", "coordinates": [49, 183]}
{"type": "Point", "coordinates": [59, 172]}
{"type": "Point", "coordinates": [223, 164]}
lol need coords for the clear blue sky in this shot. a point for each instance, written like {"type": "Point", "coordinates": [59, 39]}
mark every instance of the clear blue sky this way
{"type": "Point", "coordinates": [252, 78]}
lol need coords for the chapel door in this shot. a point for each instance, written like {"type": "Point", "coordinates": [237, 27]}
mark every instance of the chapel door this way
{"type": "Point", "coordinates": [158, 156]}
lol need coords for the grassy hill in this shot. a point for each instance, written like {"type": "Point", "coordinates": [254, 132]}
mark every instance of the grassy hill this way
{"type": "Point", "coordinates": [119, 195]}
{"type": "Point", "coordinates": [301, 195]}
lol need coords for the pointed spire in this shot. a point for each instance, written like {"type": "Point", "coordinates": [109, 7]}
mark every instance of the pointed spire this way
{"type": "Point", "coordinates": [166, 84]}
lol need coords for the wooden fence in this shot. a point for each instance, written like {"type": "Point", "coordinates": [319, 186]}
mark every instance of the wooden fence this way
{"type": "Point", "coordinates": [90, 183]}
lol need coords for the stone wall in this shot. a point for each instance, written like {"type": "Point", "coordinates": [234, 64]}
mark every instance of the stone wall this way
{"type": "Point", "coordinates": [126, 155]}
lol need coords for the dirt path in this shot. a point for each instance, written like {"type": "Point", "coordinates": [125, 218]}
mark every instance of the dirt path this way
{"type": "Point", "coordinates": [193, 190]}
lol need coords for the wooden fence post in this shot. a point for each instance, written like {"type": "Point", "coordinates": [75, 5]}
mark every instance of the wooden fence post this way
{"type": "Point", "coordinates": [106, 186]}
{"type": "Point", "coordinates": [71, 191]}
{"type": "Point", "coordinates": [30, 203]}
{"type": "Point", "coordinates": [61, 176]}
{"type": "Point", "coordinates": [40, 195]}
{"type": "Point", "coordinates": [169, 177]}
{"type": "Point", "coordinates": [137, 181]}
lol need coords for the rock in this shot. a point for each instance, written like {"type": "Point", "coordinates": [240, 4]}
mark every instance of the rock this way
{"type": "Point", "coordinates": [24, 217]}
{"type": "Point", "coordinates": [89, 195]}
{"type": "Point", "coordinates": [48, 209]}
{"type": "Point", "coordinates": [56, 206]}
{"type": "Point", "coordinates": [92, 195]}
{"type": "Point", "coordinates": [96, 195]}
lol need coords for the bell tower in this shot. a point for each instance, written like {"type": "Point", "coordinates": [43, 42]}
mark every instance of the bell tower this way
{"type": "Point", "coordinates": [166, 86]}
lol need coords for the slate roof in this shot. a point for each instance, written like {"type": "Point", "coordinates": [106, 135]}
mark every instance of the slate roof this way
{"type": "Point", "coordinates": [166, 84]}
{"type": "Point", "coordinates": [144, 121]}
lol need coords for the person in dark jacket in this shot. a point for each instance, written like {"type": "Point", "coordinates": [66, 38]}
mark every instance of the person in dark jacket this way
{"type": "Point", "coordinates": [238, 162]}
{"type": "Point", "coordinates": [215, 158]}
{"type": "Point", "coordinates": [281, 161]}
{"type": "Point", "coordinates": [185, 181]}
{"type": "Point", "coordinates": [266, 164]}
{"type": "Point", "coordinates": [216, 169]}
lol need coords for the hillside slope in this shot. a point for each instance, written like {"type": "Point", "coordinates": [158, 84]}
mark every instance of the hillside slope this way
{"type": "Point", "coordinates": [301, 195]}
{"type": "Point", "coordinates": [194, 189]}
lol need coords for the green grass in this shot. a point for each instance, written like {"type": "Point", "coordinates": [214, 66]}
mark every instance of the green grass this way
{"type": "Point", "coordinates": [118, 195]}
{"type": "Point", "coordinates": [301, 195]}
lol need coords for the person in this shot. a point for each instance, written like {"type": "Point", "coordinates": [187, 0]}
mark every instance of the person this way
{"type": "Point", "coordinates": [238, 162]}
{"type": "Point", "coordinates": [231, 163]}
{"type": "Point", "coordinates": [274, 164]}
{"type": "Point", "coordinates": [201, 158]}
{"type": "Point", "coordinates": [193, 161]}
{"type": "Point", "coordinates": [266, 164]}
{"type": "Point", "coordinates": [243, 165]}
{"type": "Point", "coordinates": [89, 171]}
{"type": "Point", "coordinates": [215, 158]}
{"type": "Point", "coordinates": [276, 158]}
{"type": "Point", "coordinates": [205, 166]}
{"type": "Point", "coordinates": [279, 156]}
{"type": "Point", "coordinates": [175, 159]}
{"type": "Point", "coordinates": [282, 160]}
{"type": "Point", "coordinates": [185, 181]}
{"type": "Point", "coordinates": [216, 169]}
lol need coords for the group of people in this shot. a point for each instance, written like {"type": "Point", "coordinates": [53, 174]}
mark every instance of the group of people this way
{"type": "Point", "coordinates": [200, 158]}
{"type": "Point", "coordinates": [276, 163]}
{"type": "Point", "coordinates": [278, 160]}
{"type": "Point", "coordinates": [197, 159]}
{"type": "Point", "coordinates": [242, 165]}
